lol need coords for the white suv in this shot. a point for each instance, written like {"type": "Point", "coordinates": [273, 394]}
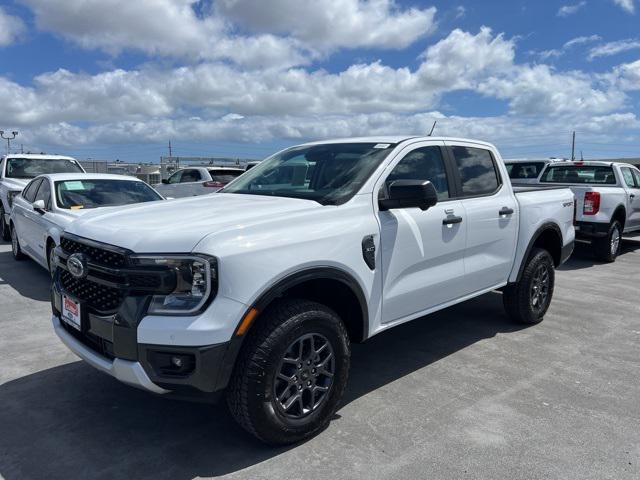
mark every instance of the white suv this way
{"type": "Point", "coordinates": [259, 290]}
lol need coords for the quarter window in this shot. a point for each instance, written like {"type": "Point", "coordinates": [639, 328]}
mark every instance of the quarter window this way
{"type": "Point", "coordinates": [424, 163]}
{"type": "Point", "coordinates": [478, 173]}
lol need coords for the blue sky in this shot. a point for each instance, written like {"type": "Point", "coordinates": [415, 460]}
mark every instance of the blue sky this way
{"type": "Point", "coordinates": [107, 79]}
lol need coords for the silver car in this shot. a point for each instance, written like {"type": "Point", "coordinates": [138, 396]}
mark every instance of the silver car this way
{"type": "Point", "coordinates": [193, 181]}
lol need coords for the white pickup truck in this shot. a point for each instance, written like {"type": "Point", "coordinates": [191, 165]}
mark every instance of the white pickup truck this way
{"type": "Point", "coordinates": [259, 290]}
{"type": "Point", "coordinates": [607, 201]}
{"type": "Point", "coordinates": [16, 170]}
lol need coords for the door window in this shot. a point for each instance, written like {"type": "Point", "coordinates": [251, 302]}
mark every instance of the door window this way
{"type": "Point", "coordinates": [478, 172]}
{"type": "Point", "coordinates": [628, 177]}
{"type": "Point", "coordinates": [29, 193]}
{"type": "Point", "coordinates": [44, 193]}
{"type": "Point", "coordinates": [424, 163]}
{"type": "Point", "coordinates": [190, 176]}
{"type": "Point", "coordinates": [175, 178]}
{"type": "Point", "coordinates": [636, 175]}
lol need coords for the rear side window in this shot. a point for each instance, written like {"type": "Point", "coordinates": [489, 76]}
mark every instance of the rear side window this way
{"type": "Point", "coordinates": [190, 176]}
{"type": "Point", "coordinates": [422, 164]}
{"type": "Point", "coordinates": [478, 172]}
{"type": "Point", "coordinates": [627, 174]}
{"type": "Point", "coordinates": [587, 174]}
{"type": "Point", "coordinates": [528, 170]}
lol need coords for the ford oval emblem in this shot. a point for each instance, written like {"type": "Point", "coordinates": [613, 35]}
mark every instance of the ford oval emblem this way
{"type": "Point", "coordinates": [77, 265]}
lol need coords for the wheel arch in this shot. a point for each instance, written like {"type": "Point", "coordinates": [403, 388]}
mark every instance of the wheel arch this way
{"type": "Point", "coordinates": [620, 214]}
{"type": "Point", "coordinates": [547, 236]}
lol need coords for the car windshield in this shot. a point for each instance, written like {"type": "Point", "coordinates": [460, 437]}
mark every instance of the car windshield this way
{"type": "Point", "coordinates": [77, 194]}
{"type": "Point", "coordinates": [32, 167]}
{"type": "Point", "coordinates": [329, 174]}
{"type": "Point", "coordinates": [596, 174]}
{"type": "Point", "coordinates": [524, 170]}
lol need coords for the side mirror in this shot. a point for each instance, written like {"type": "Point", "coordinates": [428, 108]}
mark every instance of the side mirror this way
{"type": "Point", "coordinates": [410, 194]}
{"type": "Point", "coordinates": [39, 206]}
{"type": "Point", "coordinates": [165, 181]}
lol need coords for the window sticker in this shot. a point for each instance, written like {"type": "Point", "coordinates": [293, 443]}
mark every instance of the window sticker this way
{"type": "Point", "coordinates": [382, 145]}
{"type": "Point", "coordinates": [74, 185]}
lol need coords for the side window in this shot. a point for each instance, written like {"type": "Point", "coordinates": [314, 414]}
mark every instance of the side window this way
{"type": "Point", "coordinates": [44, 193]}
{"type": "Point", "coordinates": [190, 176]}
{"type": "Point", "coordinates": [175, 178]}
{"type": "Point", "coordinates": [424, 163]}
{"type": "Point", "coordinates": [29, 193]}
{"type": "Point", "coordinates": [636, 174]}
{"type": "Point", "coordinates": [628, 177]}
{"type": "Point", "coordinates": [478, 171]}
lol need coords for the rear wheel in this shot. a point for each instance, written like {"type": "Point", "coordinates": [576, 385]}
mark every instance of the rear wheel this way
{"type": "Point", "coordinates": [528, 300]}
{"type": "Point", "coordinates": [608, 247]}
{"type": "Point", "coordinates": [15, 245]}
{"type": "Point", "coordinates": [4, 228]}
{"type": "Point", "coordinates": [291, 373]}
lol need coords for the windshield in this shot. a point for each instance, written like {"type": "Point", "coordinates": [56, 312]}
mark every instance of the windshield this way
{"type": "Point", "coordinates": [329, 173]}
{"type": "Point", "coordinates": [32, 167]}
{"type": "Point", "coordinates": [522, 170]}
{"type": "Point", "coordinates": [595, 174]}
{"type": "Point", "coordinates": [77, 194]}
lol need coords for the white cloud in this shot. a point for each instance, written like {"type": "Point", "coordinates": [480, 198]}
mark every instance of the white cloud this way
{"type": "Point", "coordinates": [567, 10]}
{"type": "Point", "coordinates": [613, 48]}
{"type": "Point", "coordinates": [558, 52]}
{"type": "Point", "coordinates": [328, 24]}
{"type": "Point", "coordinates": [11, 28]}
{"type": "Point", "coordinates": [626, 76]}
{"type": "Point", "coordinates": [627, 5]}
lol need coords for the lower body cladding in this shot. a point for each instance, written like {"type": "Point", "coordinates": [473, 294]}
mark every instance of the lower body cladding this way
{"type": "Point", "coordinates": [590, 230]}
{"type": "Point", "coordinates": [110, 344]}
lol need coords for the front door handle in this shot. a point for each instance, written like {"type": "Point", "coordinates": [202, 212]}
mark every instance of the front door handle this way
{"type": "Point", "coordinates": [632, 196]}
{"type": "Point", "coordinates": [506, 211]}
{"type": "Point", "coordinates": [451, 220]}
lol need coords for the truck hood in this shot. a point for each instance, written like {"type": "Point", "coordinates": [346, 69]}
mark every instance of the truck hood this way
{"type": "Point", "coordinates": [16, 184]}
{"type": "Point", "coordinates": [176, 226]}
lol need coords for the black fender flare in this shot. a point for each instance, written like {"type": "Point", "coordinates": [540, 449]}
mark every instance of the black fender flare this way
{"type": "Point", "coordinates": [534, 238]}
{"type": "Point", "coordinates": [276, 290]}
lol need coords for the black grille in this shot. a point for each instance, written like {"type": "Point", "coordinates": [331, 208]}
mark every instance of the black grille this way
{"type": "Point", "coordinates": [97, 255]}
{"type": "Point", "coordinates": [100, 345]}
{"type": "Point", "coordinates": [99, 297]}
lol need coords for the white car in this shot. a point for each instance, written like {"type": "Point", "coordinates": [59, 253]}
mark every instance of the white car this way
{"type": "Point", "coordinates": [16, 170]}
{"type": "Point", "coordinates": [49, 203]}
{"type": "Point", "coordinates": [192, 181]}
{"type": "Point", "coordinates": [260, 289]}
{"type": "Point", "coordinates": [607, 201]}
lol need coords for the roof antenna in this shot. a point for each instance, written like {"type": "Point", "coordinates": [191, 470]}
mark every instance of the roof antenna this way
{"type": "Point", "coordinates": [433, 127]}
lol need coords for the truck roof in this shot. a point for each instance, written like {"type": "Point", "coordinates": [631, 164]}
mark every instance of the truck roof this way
{"type": "Point", "coordinates": [37, 156]}
{"type": "Point", "coordinates": [394, 139]}
{"type": "Point", "coordinates": [588, 163]}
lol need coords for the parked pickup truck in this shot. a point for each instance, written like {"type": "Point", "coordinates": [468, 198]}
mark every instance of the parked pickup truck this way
{"type": "Point", "coordinates": [18, 170]}
{"type": "Point", "coordinates": [192, 181]}
{"type": "Point", "coordinates": [527, 171]}
{"type": "Point", "coordinates": [607, 201]}
{"type": "Point", "coordinates": [260, 289]}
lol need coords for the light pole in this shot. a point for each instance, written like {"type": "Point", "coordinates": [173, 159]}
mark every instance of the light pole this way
{"type": "Point", "coordinates": [8, 139]}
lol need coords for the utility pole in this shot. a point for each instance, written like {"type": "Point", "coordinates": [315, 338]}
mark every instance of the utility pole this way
{"type": "Point", "coordinates": [573, 146]}
{"type": "Point", "coordinates": [21, 148]}
{"type": "Point", "coordinates": [170, 149]}
{"type": "Point", "coordinates": [8, 139]}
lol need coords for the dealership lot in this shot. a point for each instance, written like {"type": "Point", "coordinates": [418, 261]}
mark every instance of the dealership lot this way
{"type": "Point", "coordinates": [460, 394]}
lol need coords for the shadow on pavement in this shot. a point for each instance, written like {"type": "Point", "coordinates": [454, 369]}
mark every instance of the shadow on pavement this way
{"type": "Point", "coordinates": [582, 256]}
{"type": "Point", "coordinates": [26, 277]}
{"type": "Point", "coordinates": [74, 422]}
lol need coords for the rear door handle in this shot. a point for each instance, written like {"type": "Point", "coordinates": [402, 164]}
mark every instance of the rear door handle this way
{"type": "Point", "coordinates": [451, 220]}
{"type": "Point", "coordinates": [506, 211]}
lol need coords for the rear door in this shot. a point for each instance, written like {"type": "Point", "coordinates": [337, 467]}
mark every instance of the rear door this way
{"type": "Point", "coordinates": [491, 215]}
{"type": "Point", "coordinates": [631, 179]}
{"type": "Point", "coordinates": [422, 251]}
{"type": "Point", "coordinates": [37, 222]}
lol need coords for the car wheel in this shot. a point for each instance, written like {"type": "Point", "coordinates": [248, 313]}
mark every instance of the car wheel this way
{"type": "Point", "coordinates": [528, 300]}
{"type": "Point", "coordinates": [50, 259]}
{"type": "Point", "coordinates": [15, 245]}
{"type": "Point", "coordinates": [607, 248]}
{"type": "Point", "coordinates": [291, 372]}
{"type": "Point", "coordinates": [4, 228]}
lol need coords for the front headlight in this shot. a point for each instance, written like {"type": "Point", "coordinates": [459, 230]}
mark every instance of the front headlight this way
{"type": "Point", "coordinates": [196, 281]}
{"type": "Point", "coordinates": [11, 196]}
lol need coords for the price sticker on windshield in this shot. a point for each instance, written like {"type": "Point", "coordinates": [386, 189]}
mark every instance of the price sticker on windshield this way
{"type": "Point", "coordinates": [382, 145]}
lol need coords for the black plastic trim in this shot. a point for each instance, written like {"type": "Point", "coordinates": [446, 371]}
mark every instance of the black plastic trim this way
{"type": "Point", "coordinates": [543, 228]}
{"type": "Point", "coordinates": [592, 230]}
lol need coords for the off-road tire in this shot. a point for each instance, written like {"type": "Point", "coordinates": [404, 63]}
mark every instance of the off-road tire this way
{"type": "Point", "coordinates": [518, 298]}
{"type": "Point", "coordinates": [606, 249]}
{"type": "Point", "coordinates": [250, 394]}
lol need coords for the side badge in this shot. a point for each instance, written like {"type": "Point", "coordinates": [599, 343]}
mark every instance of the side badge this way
{"type": "Point", "coordinates": [369, 251]}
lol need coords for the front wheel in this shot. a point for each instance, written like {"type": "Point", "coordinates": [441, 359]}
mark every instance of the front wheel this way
{"type": "Point", "coordinates": [607, 248]}
{"type": "Point", "coordinates": [15, 244]}
{"type": "Point", "coordinates": [4, 228]}
{"type": "Point", "coordinates": [528, 300]}
{"type": "Point", "coordinates": [291, 373]}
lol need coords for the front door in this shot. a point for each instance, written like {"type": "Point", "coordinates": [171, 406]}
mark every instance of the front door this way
{"type": "Point", "coordinates": [632, 180]}
{"type": "Point", "coordinates": [422, 251]}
